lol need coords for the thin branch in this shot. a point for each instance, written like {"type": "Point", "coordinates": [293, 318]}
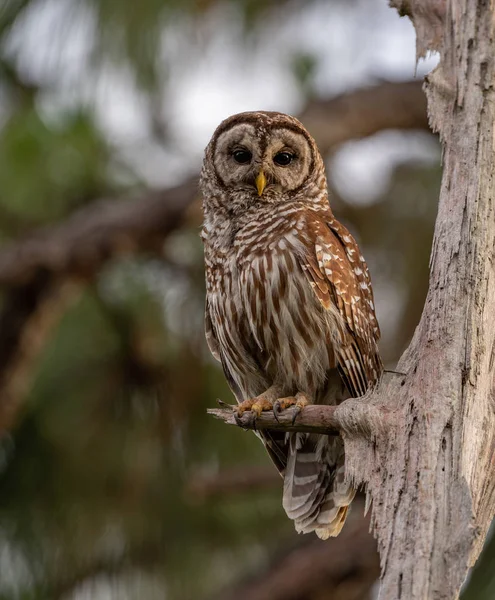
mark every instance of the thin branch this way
{"type": "Point", "coordinates": [313, 419]}
{"type": "Point", "coordinates": [364, 417]}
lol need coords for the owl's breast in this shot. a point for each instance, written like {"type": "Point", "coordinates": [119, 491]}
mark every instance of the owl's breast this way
{"type": "Point", "coordinates": [292, 334]}
{"type": "Point", "coordinates": [270, 325]}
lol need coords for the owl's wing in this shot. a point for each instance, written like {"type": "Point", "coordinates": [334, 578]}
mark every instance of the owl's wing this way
{"type": "Point", "coordinates": [211, 338]}
{"type": "Point", "coordinates": [275, 441]}
{"type": "Point", "coordinates": [340, 279]}
{"type": "Point", "coordinates": [214, 347]}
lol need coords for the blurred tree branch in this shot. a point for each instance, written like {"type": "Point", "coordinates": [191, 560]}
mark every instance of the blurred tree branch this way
{"type": "Point", "coordinates": [239, 480]}
{"type": "Point", "coordinates": [37, 272]}
{"type": "Point", "coordinates": [341, 568]}
{"type": "Point", "coordinates": [96, 234]}
{"type": "Point", "coordinates": [107, 228]}
{"type": "Point", "coordinates": [364, 112]}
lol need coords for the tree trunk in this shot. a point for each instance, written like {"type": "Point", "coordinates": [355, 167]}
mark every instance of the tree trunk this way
{"type": "Point", "coordinates": [431, 474]}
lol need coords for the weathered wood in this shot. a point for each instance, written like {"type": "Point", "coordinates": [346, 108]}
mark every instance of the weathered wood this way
{"type": "Point", "coordinates": [431, 478]}
{"type": "Point", "coordinates": [313, 419]}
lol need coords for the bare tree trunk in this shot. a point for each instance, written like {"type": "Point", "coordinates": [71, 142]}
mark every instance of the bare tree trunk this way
{"type": "Point", "coordinates": [431, 476]}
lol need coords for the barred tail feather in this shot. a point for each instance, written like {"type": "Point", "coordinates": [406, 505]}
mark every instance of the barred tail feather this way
{"type": "Point", "coordinates": [316, 496]}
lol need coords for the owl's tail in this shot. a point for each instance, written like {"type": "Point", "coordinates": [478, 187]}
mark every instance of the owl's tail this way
{"type": "Point", "coordinates": [316, 496]}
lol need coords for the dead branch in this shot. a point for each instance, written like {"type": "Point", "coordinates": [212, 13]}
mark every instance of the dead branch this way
{"type": "Point", "coordinates": [354, 416]}
{"type": "Point", "coordinates": [432, 476]}
{"type": "Point", "coordinates": [313, 419]}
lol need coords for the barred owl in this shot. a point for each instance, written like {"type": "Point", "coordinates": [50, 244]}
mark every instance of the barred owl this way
{"type": "Point", "coordinates": [289, 303]}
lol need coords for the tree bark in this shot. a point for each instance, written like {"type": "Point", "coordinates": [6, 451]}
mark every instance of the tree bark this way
{"type": "Point", "coordinates": [313, 419]}
{"type": "Point", "coordinates": [431, 477]}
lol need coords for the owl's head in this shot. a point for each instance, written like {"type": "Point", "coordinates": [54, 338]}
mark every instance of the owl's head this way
{"type": "Point", "coordinates": [261, 158]}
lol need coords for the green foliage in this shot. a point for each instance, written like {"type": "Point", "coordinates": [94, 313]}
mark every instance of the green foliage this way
{"type": "Point", "coordinates": [304, 66]}
{"type": "Point", "coordinates": [49, 169]}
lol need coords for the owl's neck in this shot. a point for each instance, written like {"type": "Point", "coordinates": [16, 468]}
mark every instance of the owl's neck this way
{"type": "Point", "coordinates": [224, 229]}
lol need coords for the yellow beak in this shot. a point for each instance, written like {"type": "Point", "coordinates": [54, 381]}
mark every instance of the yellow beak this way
{"type": "Point", "coordinates": [260, 182]}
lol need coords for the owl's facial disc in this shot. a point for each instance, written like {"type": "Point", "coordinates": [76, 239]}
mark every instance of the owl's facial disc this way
{"type": "Point", "coordinates": [287, 159]}
{"type": "Point", "coordinates": [237, 157]}
{"type": "Point", "coordinates": [263, 164]}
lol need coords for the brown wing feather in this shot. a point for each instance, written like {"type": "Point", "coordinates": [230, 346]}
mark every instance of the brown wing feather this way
{"type": "Point", "coordinates": [274, 441]}
{"type": "Point", "coordinates": [340, 278]}
{"type": "Point", "coordinates": [211, 338]}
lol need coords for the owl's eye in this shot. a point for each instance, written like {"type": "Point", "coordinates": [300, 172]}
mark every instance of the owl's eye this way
{"type": "Point", "coordinates": [242, 156]}
{"type": "Point", "coordinates": [283, 158]}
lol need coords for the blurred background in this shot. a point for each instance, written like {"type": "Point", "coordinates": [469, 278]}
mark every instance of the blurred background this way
{"type": "Point", "coordinates": [114, 483]}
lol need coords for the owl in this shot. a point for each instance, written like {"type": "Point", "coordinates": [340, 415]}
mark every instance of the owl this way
{"type": "Point", "coordinates": [289, 304]}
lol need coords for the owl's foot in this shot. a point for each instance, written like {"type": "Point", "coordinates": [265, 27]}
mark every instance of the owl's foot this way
{"type": "Point", "coordinates": [255, 406]}
{"type": "Point", "coordinates": [300, 401]}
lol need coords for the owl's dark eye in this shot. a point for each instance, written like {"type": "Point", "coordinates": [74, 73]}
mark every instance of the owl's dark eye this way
{"type": "Point", "coordinates": [283, 158]}
{"type": "Point", "coordinates": [242, 156]}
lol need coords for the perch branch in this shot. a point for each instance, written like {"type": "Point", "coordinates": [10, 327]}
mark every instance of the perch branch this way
{"type": "Point", "coordinates": [360, 417]}
{"type": "Point", "coordinates": [313, 419]}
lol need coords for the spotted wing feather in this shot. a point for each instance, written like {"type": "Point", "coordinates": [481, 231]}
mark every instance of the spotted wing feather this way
{"type": "Point", "coordinates": [340, 278]}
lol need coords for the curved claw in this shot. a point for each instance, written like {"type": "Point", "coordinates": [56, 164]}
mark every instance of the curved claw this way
{"type": "Point", "coordinates": [238, 418]}
{"type": "Point", "coordinates": [246, 419]}
{"type": "Point", "coordinates": [301, 401]}
{"type": "Point", "coordinates": [277, 408]}
{"type": "Point", "coordinates": [297, 410]}
{"type": "Point", "coordinates": [251, 421]}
